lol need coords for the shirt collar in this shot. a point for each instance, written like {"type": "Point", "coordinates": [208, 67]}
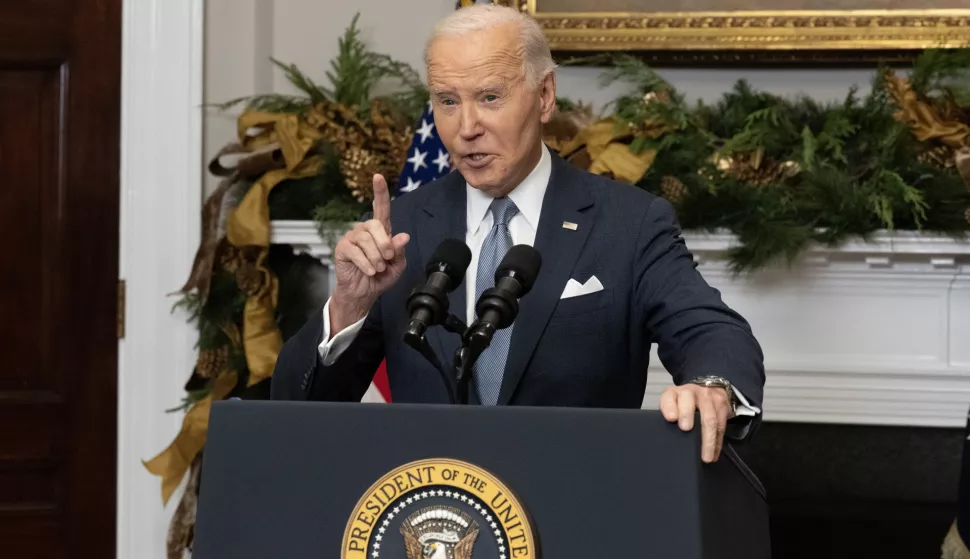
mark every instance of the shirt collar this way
{"type": "Point", "coordinates": [527, 196]}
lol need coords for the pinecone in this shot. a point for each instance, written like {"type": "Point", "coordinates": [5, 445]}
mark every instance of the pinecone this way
{"type": "Point", "coordinates": [358, 166]}
{"type": "Point", "coordinates": [672, 189]}
{"type": "Point", "coordinates": [757, 169]}
{"type": "Point", "coordinates": [394, 156]}
{"type": "Point", "coordinates": [212, 361]}
{"type": "Point", "coordinates": [230, 258]}
{"type": "Point", "coordinates": [249, 278]}
{"type": "Point", "coordinates": [774, 172]}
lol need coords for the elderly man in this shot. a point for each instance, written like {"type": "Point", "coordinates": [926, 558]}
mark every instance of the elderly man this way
{"type": "Point", "coordinates": [493, 85]}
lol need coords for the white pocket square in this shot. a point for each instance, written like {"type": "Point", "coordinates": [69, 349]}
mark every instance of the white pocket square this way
{"type": "Point", "coordinates": [575, 289]}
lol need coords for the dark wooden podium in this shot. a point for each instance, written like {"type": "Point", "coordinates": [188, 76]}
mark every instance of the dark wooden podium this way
{"type": "Point", "coordinates": [317, 480]}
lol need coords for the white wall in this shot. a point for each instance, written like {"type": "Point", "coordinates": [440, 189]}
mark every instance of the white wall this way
{"type": "Point", "coordinates": [241, 35]}
{"type": "Point", "coordinates": [238, 45]}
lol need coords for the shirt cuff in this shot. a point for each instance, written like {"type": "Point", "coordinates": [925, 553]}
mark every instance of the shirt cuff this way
{"type": "Point", "coordinates": [743, 407]}
{"type": "Point", "coordinates": [738, 430]}
{"type": "Point", "coordinates": [330, 349]}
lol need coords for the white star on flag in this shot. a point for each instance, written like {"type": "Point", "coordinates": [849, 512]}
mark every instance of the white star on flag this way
{"type": "Point", "coordinates": [417, 160]}
{"type": "Point", "coordinates": [442, 161]}
{"type": "Point", "coordinates": [425, 130]}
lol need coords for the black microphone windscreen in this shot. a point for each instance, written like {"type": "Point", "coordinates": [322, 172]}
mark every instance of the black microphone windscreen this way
{"type": "Point", "coordinates": [455, 255]}
{"type": "Point", "coordinates": [524, 261]}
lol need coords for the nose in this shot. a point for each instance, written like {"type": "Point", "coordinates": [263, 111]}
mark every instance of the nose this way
{"type": "Point", "coordinates": [470, 126]}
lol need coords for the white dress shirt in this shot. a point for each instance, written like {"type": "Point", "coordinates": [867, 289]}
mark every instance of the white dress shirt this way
{"type": "Point", "coordinates": [528, 198]}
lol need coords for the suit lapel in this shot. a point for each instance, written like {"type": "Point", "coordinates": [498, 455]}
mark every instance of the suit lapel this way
{"type": "Point", "coordinates": [566, 197]}
{"type": "Point", "coordinates": [442, 217]}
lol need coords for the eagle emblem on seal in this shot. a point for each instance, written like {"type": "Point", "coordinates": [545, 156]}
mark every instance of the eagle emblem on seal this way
{"type": "Point", "coordinates": [439, 533]}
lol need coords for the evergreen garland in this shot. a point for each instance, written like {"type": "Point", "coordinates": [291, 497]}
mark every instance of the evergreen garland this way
{"type": "Point", "coordinates": [782, 174]}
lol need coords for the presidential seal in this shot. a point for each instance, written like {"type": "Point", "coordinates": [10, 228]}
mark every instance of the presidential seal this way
{"type": "Point", "coordinates": [438, 509]}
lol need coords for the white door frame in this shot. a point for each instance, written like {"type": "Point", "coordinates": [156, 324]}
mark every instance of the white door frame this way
{"type": "Point", "coordinates": [161, 197]}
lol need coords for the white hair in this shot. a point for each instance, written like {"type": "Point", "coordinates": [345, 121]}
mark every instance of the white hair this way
{"type": "Point", "coordinates": [537, 60]}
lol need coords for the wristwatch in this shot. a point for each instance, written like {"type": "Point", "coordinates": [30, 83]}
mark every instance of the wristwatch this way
{"type": "Point", "coordinates": [719, 382]}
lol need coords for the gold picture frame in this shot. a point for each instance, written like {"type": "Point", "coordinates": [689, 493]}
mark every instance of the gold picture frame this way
{"type": "Point", "coordinates": [779, 35]}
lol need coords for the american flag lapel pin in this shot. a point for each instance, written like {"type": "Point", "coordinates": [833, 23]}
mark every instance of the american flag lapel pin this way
{"type": "Point", "coordinates": [570, 225]}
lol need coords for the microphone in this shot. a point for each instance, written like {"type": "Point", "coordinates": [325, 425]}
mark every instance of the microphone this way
{"type": "Point", "coordinates": [428, 304]}
{"type": "Point", "coordinates": [496, 308]}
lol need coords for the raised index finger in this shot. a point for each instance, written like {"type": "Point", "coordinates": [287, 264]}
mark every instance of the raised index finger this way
{"type": "Point", "coordinates": [382, 202]}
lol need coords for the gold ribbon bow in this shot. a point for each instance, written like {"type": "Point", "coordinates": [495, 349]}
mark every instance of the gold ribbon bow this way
{"type": "Point", "coordinates": [247, 227]}
{"type": "Point", "coordinates": [923, 119]}
{"type": "Point", "coordinates": [604, 143]}
{"type": "Point", "coordinates": [175, 460]}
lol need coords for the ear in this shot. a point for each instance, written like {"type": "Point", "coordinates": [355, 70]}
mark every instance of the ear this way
{"type": "Point", "coordinates": [547, 97]}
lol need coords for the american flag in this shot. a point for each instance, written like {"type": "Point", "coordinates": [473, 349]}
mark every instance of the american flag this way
{"type": "Point", "coordinates": [427, 157]}
{"type": "Point", "coordinates": [427, 161]}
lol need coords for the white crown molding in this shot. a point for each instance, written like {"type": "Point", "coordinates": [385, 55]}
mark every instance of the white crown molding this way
{"type": "Point", "coordinates": [161, 198]}
{"type": "Point", "coordinates": [874, 333]}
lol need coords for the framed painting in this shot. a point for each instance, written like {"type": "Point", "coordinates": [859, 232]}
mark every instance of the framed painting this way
{"type": "Point", "coordinates": [753, 30]}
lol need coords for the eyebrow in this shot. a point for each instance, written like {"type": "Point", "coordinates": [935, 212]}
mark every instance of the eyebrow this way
{"type": "Point", "coordinates": [494, 88]}
{"type": "Point", "coordinates": [499, 87]}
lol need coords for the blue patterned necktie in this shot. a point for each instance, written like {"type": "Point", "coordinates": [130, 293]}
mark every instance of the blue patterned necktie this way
{"type": "Point", "coordinates": [491, 364]}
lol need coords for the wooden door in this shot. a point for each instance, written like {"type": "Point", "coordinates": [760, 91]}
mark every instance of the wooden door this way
{"type": "Point", "coordinates": [59, 168]}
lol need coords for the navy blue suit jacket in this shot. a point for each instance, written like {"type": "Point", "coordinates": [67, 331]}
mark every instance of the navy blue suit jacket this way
{"type": "Point", "coordinates": [591, 350]}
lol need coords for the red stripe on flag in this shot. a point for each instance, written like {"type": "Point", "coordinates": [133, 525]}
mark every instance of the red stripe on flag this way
{"type": "Point", "coordinates": [380, 381]}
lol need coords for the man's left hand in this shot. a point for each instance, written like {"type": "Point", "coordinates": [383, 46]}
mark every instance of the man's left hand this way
{"type": "Point", "coordinates": [678, 404]}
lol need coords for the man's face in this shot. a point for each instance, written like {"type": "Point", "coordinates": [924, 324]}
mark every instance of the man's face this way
{"type": "Point", "coordinates": [485, 112]}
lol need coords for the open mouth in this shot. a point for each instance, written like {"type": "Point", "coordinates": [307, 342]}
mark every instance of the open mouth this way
{"type": "Point", "coordinates": [478, 160]}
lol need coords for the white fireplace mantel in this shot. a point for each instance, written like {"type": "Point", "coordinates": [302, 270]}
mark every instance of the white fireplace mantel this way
{"type": "Point", "coordinates": [871, 332]}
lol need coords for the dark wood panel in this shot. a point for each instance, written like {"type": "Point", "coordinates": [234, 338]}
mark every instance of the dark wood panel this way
{"type": "Point", "coordinates": [60, 64]}
{"type": "Point", "coordinates": [31, 485]}
{"type": "Point", "coordinates": [30, 108]}
{"type": "Point", "coordinates": [35, 30]}
{"type": "Point", "coordinates": [31, 431]}
{"type": "Point", "coordinates": [30, 533]}
{"type": "Point", "coordinates": [92, 170]}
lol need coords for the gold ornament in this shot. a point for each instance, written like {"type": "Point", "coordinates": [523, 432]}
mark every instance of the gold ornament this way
{"type": "Point", "coordinates": [941, 156]}
{"type": "Point", "coordinates": [755, 167]}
